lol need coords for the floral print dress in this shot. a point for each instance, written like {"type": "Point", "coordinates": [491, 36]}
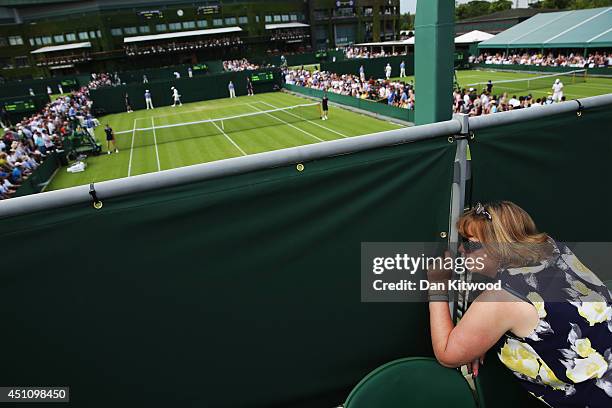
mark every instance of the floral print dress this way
{"type": "Point", "coordinates": [567, 360]}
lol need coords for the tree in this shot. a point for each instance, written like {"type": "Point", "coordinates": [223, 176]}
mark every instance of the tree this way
{"type": "Point", "coordinates": [406, 21]}
{"type": "Point", "coordinates": [556, 4]}
{"type": "Point", "coordinates": [584, 4]}
{"type": "Point", "coordinates": [570, 4]}
{"type": "Point", "coordinates": [500, 5]}
{"type": "Point", "coordinates": [472, 9]}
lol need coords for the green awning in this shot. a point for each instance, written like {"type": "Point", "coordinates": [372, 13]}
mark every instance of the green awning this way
{"type": "Point", "coordinates": [591, 28]}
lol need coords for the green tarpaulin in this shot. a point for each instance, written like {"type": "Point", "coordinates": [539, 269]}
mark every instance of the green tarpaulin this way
{"type": "Point", "coordinates": [590, 28]}
{"type": "Point", "coordinates": [557, 168]}
{"type": "Point", "coordinates": [236, 292]}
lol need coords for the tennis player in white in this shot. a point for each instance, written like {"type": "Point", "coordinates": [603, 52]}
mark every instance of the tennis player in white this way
{"type": "Point", "coordinates": [148, 100]}
{"type": "Point", "coordinates": [557, 90]}
{"type": "Point", "coordinates": [176, 97]}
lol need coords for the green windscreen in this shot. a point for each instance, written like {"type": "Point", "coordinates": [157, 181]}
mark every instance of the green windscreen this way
{"type": "Point", "coordinates": [237, 292]}
{"type": "Point", "coordinates": [557, 168]}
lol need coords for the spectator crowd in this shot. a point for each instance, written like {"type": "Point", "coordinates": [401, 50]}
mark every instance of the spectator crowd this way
{"type": "Point", "coordinates": [575, 60]}
{"type": "Point", "coordinates": [289, 34]}
{"type": "Point", "coordinates": [135, 50]}
{"type": "Point", "coordinates": [393, 93]}
{"type": "Point", "coordinates": [475, 103]}
{"type": "Point", "coordinates": [401, 94]}
{"type": "Point", "coordinates": [239, 65]}
{"type": "Point", "coordinates": [100, 80]}
{"type": "Point", "coordinates": [63, 59]}
{"type": "Point", "coordinates": [372, 52]}
{"type": "Point", "coordinates": [25, 144]}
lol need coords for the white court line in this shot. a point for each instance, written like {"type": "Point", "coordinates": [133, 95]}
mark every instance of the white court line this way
{"type": "Point", "coordinates": [200, 109]}
{"type": "Point", "coordinates": [132, 148]}
{"type": "Point", "coordinates": [243, 115]}
{"type": "Point", "coordinates": [155, 140]}
{"type": "Point", "coordinates": [230, 139]}
{"type": "Point", "coordinates": [309, 121]}
{"type": "Point", "coordinates": [287, 123]}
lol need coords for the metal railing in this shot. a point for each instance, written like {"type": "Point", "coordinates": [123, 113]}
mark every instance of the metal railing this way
{"type": "Point", "coordinates": [454, 129]}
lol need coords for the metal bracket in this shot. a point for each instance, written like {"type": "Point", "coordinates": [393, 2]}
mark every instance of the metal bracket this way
{"type": "Point", "coordinates": [464, 132]}
{"type": "Point", "coordinates": [95, 202]}
{"type": "Point", "coordinates": [580, 108]}
{"type": "Point", "coordinates": [463, 120]}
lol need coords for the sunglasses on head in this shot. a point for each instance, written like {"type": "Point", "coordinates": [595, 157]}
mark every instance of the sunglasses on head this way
{"type": "Point", "coordinates": [481, 210]}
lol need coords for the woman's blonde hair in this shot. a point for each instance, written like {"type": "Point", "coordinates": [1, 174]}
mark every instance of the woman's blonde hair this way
{"type": "Point", "coordinates": [507, 232]}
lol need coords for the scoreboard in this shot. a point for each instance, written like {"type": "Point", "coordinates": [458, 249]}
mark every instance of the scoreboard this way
{"type": "Point", "coordinates": [262, 77]}
{"type": "Point", "coordinates": [151, 14]}
{"type": "Point", "coordinates": [20, 106]}
{"type": "Point", "coordinates": [345, 3]}
{"type": "Point", "coordinates": [16, 106]}
{"type": "Point", "coordinates": [68, 82]}
{"type": "Point", "coordinates": [211, 9]}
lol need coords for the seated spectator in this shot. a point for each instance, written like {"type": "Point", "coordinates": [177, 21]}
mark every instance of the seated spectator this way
{"type": "Point", "coordinates": [596, 59]}
{"type": "Point", "coordinates": [176, 46]}
{"type": "Point", "coordinates": [239, 65]}
{"type": "Point", "coordinates": [372, 52]}
{"type": "Point", "coordinates": [24, 146]}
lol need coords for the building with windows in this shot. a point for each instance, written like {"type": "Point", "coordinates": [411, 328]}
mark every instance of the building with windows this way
{"type": "Point", "coordinates": [337, 23]}
{"type": "Point", "coordinates": [54, 37]}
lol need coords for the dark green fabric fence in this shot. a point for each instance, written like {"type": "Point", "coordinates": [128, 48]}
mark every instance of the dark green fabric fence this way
{"type": "Point", "coordinates": [214, 86]}
{"type": "Point", "coordinates": [557, 168]}
{"type": "Point", "coordinates": [373, 67]}
{"type": "Point", "coordinates": [167, 73]}
{"type": "Point", "coordinates": [237, 292]}
{"type": "Point", "coordinates": [39, 86]}
{"type": "Point", "coordinates": [39, 179]}
{"type": "Point", "coordinates": [364, 104]}
{"type": "Point", "coordinates": [304, 58]}
{"type": "Point", "coordinates": [532, 68]}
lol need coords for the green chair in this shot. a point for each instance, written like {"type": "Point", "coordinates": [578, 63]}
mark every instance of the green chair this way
{"type": "Point", "coordinates": [411, 383]}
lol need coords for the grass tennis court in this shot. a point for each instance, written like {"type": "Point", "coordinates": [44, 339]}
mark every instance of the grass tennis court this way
{"type": "Point", "coordinates": [591, 87]}
{"type": "Point", "coordinates": [167, 137]}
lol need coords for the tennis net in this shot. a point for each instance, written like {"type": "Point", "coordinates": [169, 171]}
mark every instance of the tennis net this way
{"type": "Point", "coordinates": [174, 132]}
{"type": "Point", "coordinates": [537, 82]}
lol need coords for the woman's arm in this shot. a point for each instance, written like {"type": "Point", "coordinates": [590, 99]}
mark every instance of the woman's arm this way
{"type": "Point", "coordinates": [490, 316]}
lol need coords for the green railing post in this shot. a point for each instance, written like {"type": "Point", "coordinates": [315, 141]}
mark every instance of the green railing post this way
{"type": "Point", "coordinates": [434, 48]}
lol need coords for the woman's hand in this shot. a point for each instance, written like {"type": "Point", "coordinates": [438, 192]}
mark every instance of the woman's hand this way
{"type": "Point", "coordinates": [475, 365]}
{"type": "Point", "coordinates": [437, 274]}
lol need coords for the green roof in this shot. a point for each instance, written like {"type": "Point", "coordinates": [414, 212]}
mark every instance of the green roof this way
{"type": "Point", "coordinates": [591, 28]}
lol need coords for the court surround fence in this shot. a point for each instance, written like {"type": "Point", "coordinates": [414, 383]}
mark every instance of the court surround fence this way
{"type": "Point", "coordinates": [538, 69]}
{"type": "Point", "coordinates": [135, 76]}
{"type": "Point", "coordinates": [40, 177]}
{"type": "Point", "coordinates": [39, 86]}
{"type": "Point", "coordinates": [111, 99]}
{"type": "Point", "coordinates": [373, 67]}
{"type": "Point", "coordinates": [236, 283]}
{"type": "Point", "coordinates": [368, 105]}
